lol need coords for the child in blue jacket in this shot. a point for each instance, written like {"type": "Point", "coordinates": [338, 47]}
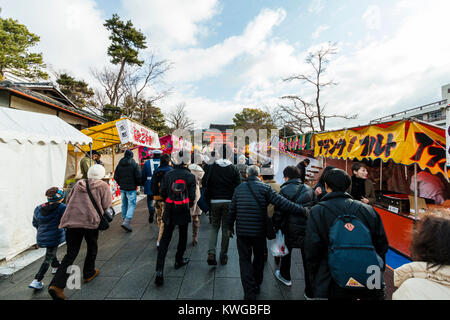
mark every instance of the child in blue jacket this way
{"type": "Point", "coordinates": [46, 220]}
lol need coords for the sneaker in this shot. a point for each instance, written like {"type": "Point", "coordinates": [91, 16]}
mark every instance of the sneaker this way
{"type": "Point", "coordinates": [212, 259]}
{"type": "Point", "coordinates": [183, 262]}
{"type": "Point", "coordinates": [56, 293]}
{"type": "Point", "coordinates": [37, 285]}
{"type": "Point", "coordinates": [283, 280]}
{"type": "Point", "coordinates": [86, 280]}
{"type": "Point", "coordinates": [159, 279]}
{"type": "Point", "coordinates": [306, 297]}
{"type": "Point", "coordinates": [126, 225]}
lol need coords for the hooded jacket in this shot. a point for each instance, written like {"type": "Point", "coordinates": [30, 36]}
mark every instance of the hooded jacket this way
{"type": "Point", "coordinates": [250, 218]}
{"type": "Point", "coordinates": [292, 225]}
{"type": "Point", "coordinates": [80, 212]}
{"type": "Point", "coordinates": [318, 227]}
{"type": "Point", "coordinates": [128, 174]}
{"type": "Point", "coordinates": [148, 170]}
{"type": "Point", "coordinates": [156, 180]}
{"type": "Point", "coordinates": [415, 281]}
{"type": "Point", "coordinates": [46, 220]}
{"type": "Point", "coordinates": [224, 178]}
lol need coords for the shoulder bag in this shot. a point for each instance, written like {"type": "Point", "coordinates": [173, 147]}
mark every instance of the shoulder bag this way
{"type": "Point", "coordinates": [106, 217]}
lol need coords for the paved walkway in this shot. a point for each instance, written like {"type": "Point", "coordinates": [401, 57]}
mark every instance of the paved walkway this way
{"type": "Point", "coordinates": [127, 270]}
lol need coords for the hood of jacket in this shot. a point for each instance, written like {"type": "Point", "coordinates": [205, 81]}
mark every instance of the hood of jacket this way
{"type": "Point", "coordinates": [195, 167]}
{"type": "Point", "coordinates": [125, 162]}
{"type": "Point", "coordinates": [224, 163]}
{"type": "Point", "coordinates": [49, 208]}
{"type": "Point", "coordinates": [163, 168]}
{"type": "Point", "coordinates": [292, 181]}
{"type": "Point", "coordinates": [419, 269]}
{"type": "Point", "coordinates": [93, 184]}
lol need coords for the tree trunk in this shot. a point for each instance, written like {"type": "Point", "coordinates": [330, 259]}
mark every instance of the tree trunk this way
{"type": "Point", "coordinates": [116, 86]}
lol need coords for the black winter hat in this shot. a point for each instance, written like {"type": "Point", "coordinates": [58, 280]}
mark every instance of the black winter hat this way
{"type": "Point", "coordinates": [338, 180]}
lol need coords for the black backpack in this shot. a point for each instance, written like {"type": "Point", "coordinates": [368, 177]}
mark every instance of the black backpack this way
{"type": "Point", "coordinates": [177, 201]}
{"type": "Point", "coordinates": [156, 183]}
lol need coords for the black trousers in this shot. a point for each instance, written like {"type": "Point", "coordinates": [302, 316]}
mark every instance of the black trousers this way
{"type": "Point", "coordinates": [74, 238]}
{"type": "Point", "coordinates": [165, 242]}
{"type": "Point", "coordinates": [251, 270]}
{"type": "Point", "coordinates": [285, 269]}
{"type": "Point", "coordinates": [50, 258]}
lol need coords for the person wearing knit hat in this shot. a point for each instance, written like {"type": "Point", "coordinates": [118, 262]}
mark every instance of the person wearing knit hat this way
{"type": "Point", "coordinates": [46, 220]}
{"type": "Point", "coordinates": [81, 221]}
{"type": "Point", "coordinates": [128, 177]}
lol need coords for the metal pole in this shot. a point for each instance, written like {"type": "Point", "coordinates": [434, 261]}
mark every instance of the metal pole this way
{"type": "Point", "coordinates": [90, 154]}
{"type": "Point", "coordinates": [415, 191]}
{"type": "Point", "coordinates": [381, 174]}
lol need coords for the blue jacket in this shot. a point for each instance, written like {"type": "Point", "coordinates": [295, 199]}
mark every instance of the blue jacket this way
{"type": "Point", "coordinates": [46, 220]}
{"type": "Point", "coordinates": [148, 170]}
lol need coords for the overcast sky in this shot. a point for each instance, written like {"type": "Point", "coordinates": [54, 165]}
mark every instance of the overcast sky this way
{"type": "Point", "coordinates": [393, 55]}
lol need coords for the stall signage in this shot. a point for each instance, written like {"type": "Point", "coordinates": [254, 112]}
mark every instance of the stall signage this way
{"type": "Point", "coordinates": [371, 142]}
{"type": "Point", "coordinates": [427, 148]}
{"type": "Point", "coordinates": [131, 132]}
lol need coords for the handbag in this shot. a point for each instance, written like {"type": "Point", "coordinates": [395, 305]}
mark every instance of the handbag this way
{"type": "Point", "coordinates": [106, 217]}
{"type": "Point", "coordinates": [270, 230]}
{"type": "Point", "coordinates": [204, 202]}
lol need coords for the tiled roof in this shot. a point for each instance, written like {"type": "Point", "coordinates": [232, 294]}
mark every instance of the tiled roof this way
{"type": "Point", "coordinates": [27, 93]}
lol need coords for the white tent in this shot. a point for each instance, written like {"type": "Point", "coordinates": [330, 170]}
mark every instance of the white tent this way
{"type": "Point", "coordinates": [33, 149]}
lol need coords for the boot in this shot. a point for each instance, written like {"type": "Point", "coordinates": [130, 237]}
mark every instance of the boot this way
{"type": "Point", "coordinates": [150, 217]}
{"type": "Point", "coordinates": [56, 293]}
{"type": "Point", "coordinates": [126, 225]}
{"type": "Point", "coordinates": [159, 279]}
{"type": "Point", "coordinates": [212, 259]}
{"type": "Point", "coordinates": [86, 280]}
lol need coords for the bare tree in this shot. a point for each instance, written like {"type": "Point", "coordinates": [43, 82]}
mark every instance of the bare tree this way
{"type": "Point", "coordinates": [178, 118]}
{"type": "Point", "coordinates": [303, 115]}
{"type": "Point", "coordinates": [107, 78]}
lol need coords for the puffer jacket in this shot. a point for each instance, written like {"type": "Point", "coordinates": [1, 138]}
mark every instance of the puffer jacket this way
{"type": "Point", "coordinates": [80, 212]}
{"type": "Point", "coordinates": [46, 220]}
{"type": "Point", "coordinates": [245, 211]}
{"type": "Point", "coordinates": [127, 174]}
{"type": "Point", "coordinates": [292, 225]}
{"type": "Point", "coordinates": [415, 281]}
{"type": "Point", "coordinates": [318, 226]}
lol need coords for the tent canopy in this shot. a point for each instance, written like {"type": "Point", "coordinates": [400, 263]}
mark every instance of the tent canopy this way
{"type": "Point", "coordinates": [106, 135]}
{"type": "Point", "coordinates": [23, 126]}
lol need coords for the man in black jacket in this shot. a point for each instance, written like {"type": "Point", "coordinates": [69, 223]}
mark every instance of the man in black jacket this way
{"type": "Point", "coordinates": [220, 179]}
{"type": "Point", "coordinates": [320, 220]}
{"type": "Point", "coordinates": [302, 167]}
{"type": "Point", "coordinates": [128, 177]}
{"type": "Point", "coordinates": [178, 189]}
{"type": "Point", "coordinates": [293, 225]}
{"type": "Point", "coordinates": [249, 211]}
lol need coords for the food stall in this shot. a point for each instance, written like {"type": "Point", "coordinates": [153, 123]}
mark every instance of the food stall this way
{"type": "Point", "coordinates": [399, 148]}
{"type": "Point", "coordinates": [123, 132]}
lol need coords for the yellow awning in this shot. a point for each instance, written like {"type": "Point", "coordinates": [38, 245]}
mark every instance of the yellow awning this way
{"type": "Point", "coordinates": [103, 136]}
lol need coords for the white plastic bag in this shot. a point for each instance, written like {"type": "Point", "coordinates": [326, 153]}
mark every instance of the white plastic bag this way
{"type": "Point", "coordinates": [278, 247]}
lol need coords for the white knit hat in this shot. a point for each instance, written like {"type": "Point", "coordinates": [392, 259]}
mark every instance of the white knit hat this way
{"type": "Point", "coordinates": [97, 171]}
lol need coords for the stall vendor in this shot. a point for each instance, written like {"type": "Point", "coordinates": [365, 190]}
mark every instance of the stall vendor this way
{"type": "Point", "coordinates": [429, 187]}
{"type": "Point", "coordinates": [85, 163]}
{"type": "Point", "coordinates": [362, 188]}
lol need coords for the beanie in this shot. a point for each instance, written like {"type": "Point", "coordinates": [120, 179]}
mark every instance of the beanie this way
{"type": "Point", "coordinates": [338, 180]}
{"type": "Point", "coordinates": [97, 171]}
{"type": "Point", "coordinates": [60, 194]}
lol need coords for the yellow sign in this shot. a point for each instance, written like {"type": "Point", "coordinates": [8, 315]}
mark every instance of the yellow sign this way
{"type": "Point", "coordinates": [371, 142]}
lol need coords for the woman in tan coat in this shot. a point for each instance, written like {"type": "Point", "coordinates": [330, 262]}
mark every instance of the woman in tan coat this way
{"type": "Point", "coordinates": [81, 220]}
{"type": "Point", "coordinates": [198, 172]}
{"type": "Point", "coordinates": [428, 277]}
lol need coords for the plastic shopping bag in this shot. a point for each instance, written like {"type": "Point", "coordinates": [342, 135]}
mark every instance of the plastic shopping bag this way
{"type": "Point", "coordinates": [278, 247]}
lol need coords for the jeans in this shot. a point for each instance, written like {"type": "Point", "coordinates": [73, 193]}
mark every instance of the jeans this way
{"type": "Point", "coordinates": [219, 217]}
{"type": "Point", "coordinates": [50, 257]}
{"type": "Point", "coordinates": [128, 203]}
{"type": "Point", "coordinates": [251, 271]}
{"type": "Point", "coordinates": [165, 241]}
{"type": "Point", "coordinates": [74, 238]}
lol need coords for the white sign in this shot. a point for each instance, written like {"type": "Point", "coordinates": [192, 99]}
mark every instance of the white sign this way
{"type": "Point", "coordinates": [131, 132]}
{"type": "Point", "coordinates": [447, 132]}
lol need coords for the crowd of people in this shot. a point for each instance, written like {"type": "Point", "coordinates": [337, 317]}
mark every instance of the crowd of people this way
{"type": "Point", "coordinates": [339, 234]}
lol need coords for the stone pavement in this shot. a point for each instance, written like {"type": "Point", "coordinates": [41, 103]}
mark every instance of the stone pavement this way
{"type": "Point", "coordinates": [127, 270]}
